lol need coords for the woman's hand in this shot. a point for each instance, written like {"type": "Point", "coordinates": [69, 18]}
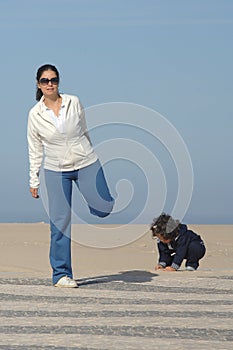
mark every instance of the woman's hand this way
{"type": "Point", "coordinates": [34, 192]}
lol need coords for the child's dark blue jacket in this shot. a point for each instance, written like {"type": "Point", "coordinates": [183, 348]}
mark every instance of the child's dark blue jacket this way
{"type": "Point", "coordinates": [173, 253]}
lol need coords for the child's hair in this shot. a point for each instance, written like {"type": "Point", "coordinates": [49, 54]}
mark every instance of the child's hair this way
{"type": "Point", "coordinates": [165, 226]}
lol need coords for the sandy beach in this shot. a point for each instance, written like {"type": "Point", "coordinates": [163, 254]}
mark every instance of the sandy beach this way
{"type": "Point", "coordinates": [121, 302]}
{"type": "Point", "coordinates": [25, 250]}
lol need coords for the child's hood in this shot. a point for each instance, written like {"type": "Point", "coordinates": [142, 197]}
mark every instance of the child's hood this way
{"type": "Point", "coordinates": [183, 229]}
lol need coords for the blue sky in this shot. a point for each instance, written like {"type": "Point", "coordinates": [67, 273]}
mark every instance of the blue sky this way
{"type": "Point", "coordinates": [171, 56]}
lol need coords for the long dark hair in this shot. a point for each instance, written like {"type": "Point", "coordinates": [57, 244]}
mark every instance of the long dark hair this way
{"type": "Point", "coordinates": [39, 73]}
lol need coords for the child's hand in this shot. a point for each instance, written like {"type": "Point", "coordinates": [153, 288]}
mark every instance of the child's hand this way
{"type": "Point", "coordinates": [159, 267]}
{"type": "Point", "coordinates": [169, 268]}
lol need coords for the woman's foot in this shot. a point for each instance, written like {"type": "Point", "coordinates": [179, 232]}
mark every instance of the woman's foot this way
{"type": "Point", "coordinates": [66, 282]}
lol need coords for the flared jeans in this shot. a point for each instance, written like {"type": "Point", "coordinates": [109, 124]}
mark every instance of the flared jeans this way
{"type": "Point", "coordinates": [92, 184]}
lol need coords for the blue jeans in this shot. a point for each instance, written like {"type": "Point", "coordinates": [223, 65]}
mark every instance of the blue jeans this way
{"type": "Point", "coordinates": [92, 184]}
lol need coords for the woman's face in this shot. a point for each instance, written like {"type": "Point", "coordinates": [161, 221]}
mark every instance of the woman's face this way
{"type": "Point", "coordinates": [48, 83]}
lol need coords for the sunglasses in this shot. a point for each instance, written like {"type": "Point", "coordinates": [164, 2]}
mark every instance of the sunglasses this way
{"type": "Point", "coordinates": [45, 81]}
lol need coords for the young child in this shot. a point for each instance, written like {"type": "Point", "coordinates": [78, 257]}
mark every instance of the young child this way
{"type": "Point", "coordinates": [176, 243]}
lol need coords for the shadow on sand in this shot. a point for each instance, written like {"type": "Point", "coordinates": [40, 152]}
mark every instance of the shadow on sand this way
{"type": "Point", "coordinates": [135, 276]}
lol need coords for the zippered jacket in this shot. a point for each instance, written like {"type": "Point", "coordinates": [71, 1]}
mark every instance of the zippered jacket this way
{"type": "Point", "coordinates": [177, 248]}
{"type": "Point", "coordinates": [66, 151]}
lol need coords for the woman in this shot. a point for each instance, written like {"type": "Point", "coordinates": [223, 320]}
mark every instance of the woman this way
{"type": "Point", "coordinates": [57, 132]}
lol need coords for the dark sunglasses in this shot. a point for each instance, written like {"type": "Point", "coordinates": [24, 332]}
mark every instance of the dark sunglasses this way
{"type": "Point", "coordinates": [45, 81]}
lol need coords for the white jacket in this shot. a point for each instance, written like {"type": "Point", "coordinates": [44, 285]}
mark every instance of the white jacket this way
{"type": "Point", "coordinates": [62, 152]}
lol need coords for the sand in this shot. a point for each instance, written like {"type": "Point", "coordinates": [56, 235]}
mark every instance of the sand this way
{"type": "Point", "coordinates": [25, 250]}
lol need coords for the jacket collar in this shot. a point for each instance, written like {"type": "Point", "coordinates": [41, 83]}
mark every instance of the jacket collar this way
{"type": "Point", "coordinates": [42, 111]}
